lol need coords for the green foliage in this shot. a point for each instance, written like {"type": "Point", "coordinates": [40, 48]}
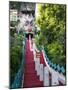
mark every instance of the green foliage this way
{"type": "Point", "coordinates": [52, 34]}
{"type": "Point", "coordinates": [13, 23]}
{"type": "Point", "coordinates": [18, 37]}
{"type": "Point", "coordinates": [15, 55]}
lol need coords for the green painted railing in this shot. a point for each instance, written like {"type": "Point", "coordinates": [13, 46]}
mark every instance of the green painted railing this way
{"type": "Point", "coordinates": [55, 66]}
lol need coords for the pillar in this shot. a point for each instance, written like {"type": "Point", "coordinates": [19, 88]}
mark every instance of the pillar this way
{"type": "Point", "coordinates": [46, 76]}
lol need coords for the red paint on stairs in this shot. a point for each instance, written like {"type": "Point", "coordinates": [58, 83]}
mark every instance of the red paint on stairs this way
{"type": "Point", "coordinates": [30, 76]}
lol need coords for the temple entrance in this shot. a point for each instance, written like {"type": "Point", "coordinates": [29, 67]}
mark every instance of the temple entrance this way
{"type": "Point", "coordinates": [29, 35]}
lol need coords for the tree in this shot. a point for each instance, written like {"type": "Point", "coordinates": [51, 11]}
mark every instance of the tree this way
{"type": "Point", "coordinates": [52, 21]}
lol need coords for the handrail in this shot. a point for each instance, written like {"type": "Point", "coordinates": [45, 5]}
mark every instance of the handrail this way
{"type": "Point", "coordinates": [19, 76]}
{"type": "Point", "coordinates": [61, 77]}
{"type": "Point", "coordinates": [54, 66]}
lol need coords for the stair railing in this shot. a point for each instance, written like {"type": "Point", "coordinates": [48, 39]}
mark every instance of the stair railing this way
{"type": "Point", "coordinates": [50, 68]}
{"type": "Point", "coordinates": [54, 66]}
{"type": "Point", "coordinates": [54, 69]}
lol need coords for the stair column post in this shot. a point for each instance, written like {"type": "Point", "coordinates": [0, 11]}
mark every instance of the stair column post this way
{"type": "Point", "coordinates": [54, 78]}
{"type": "Point", "coordinates": [41, 67]}
{"type": "Point", "coordinates": [37, 62]}
{"type": "Point", "coordinates": [46, 76]}
{"type": "Point", "coordinates": [41, 72]}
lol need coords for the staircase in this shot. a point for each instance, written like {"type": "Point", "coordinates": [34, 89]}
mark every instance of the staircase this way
{"type": "Point", "coordinates": [30, 76]}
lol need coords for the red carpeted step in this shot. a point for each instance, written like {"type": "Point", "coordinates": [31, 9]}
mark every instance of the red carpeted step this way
{"type": "Point", "coordinates": [30, 72]}
{"type": "Point", "coordinates": [33, 85]}
{"type": "Point", "coordinates": [30, 76]}
{"type": "Point", "coordinates": [32, 80]}
{"type": "Point", "coordinates": [30, 66]}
